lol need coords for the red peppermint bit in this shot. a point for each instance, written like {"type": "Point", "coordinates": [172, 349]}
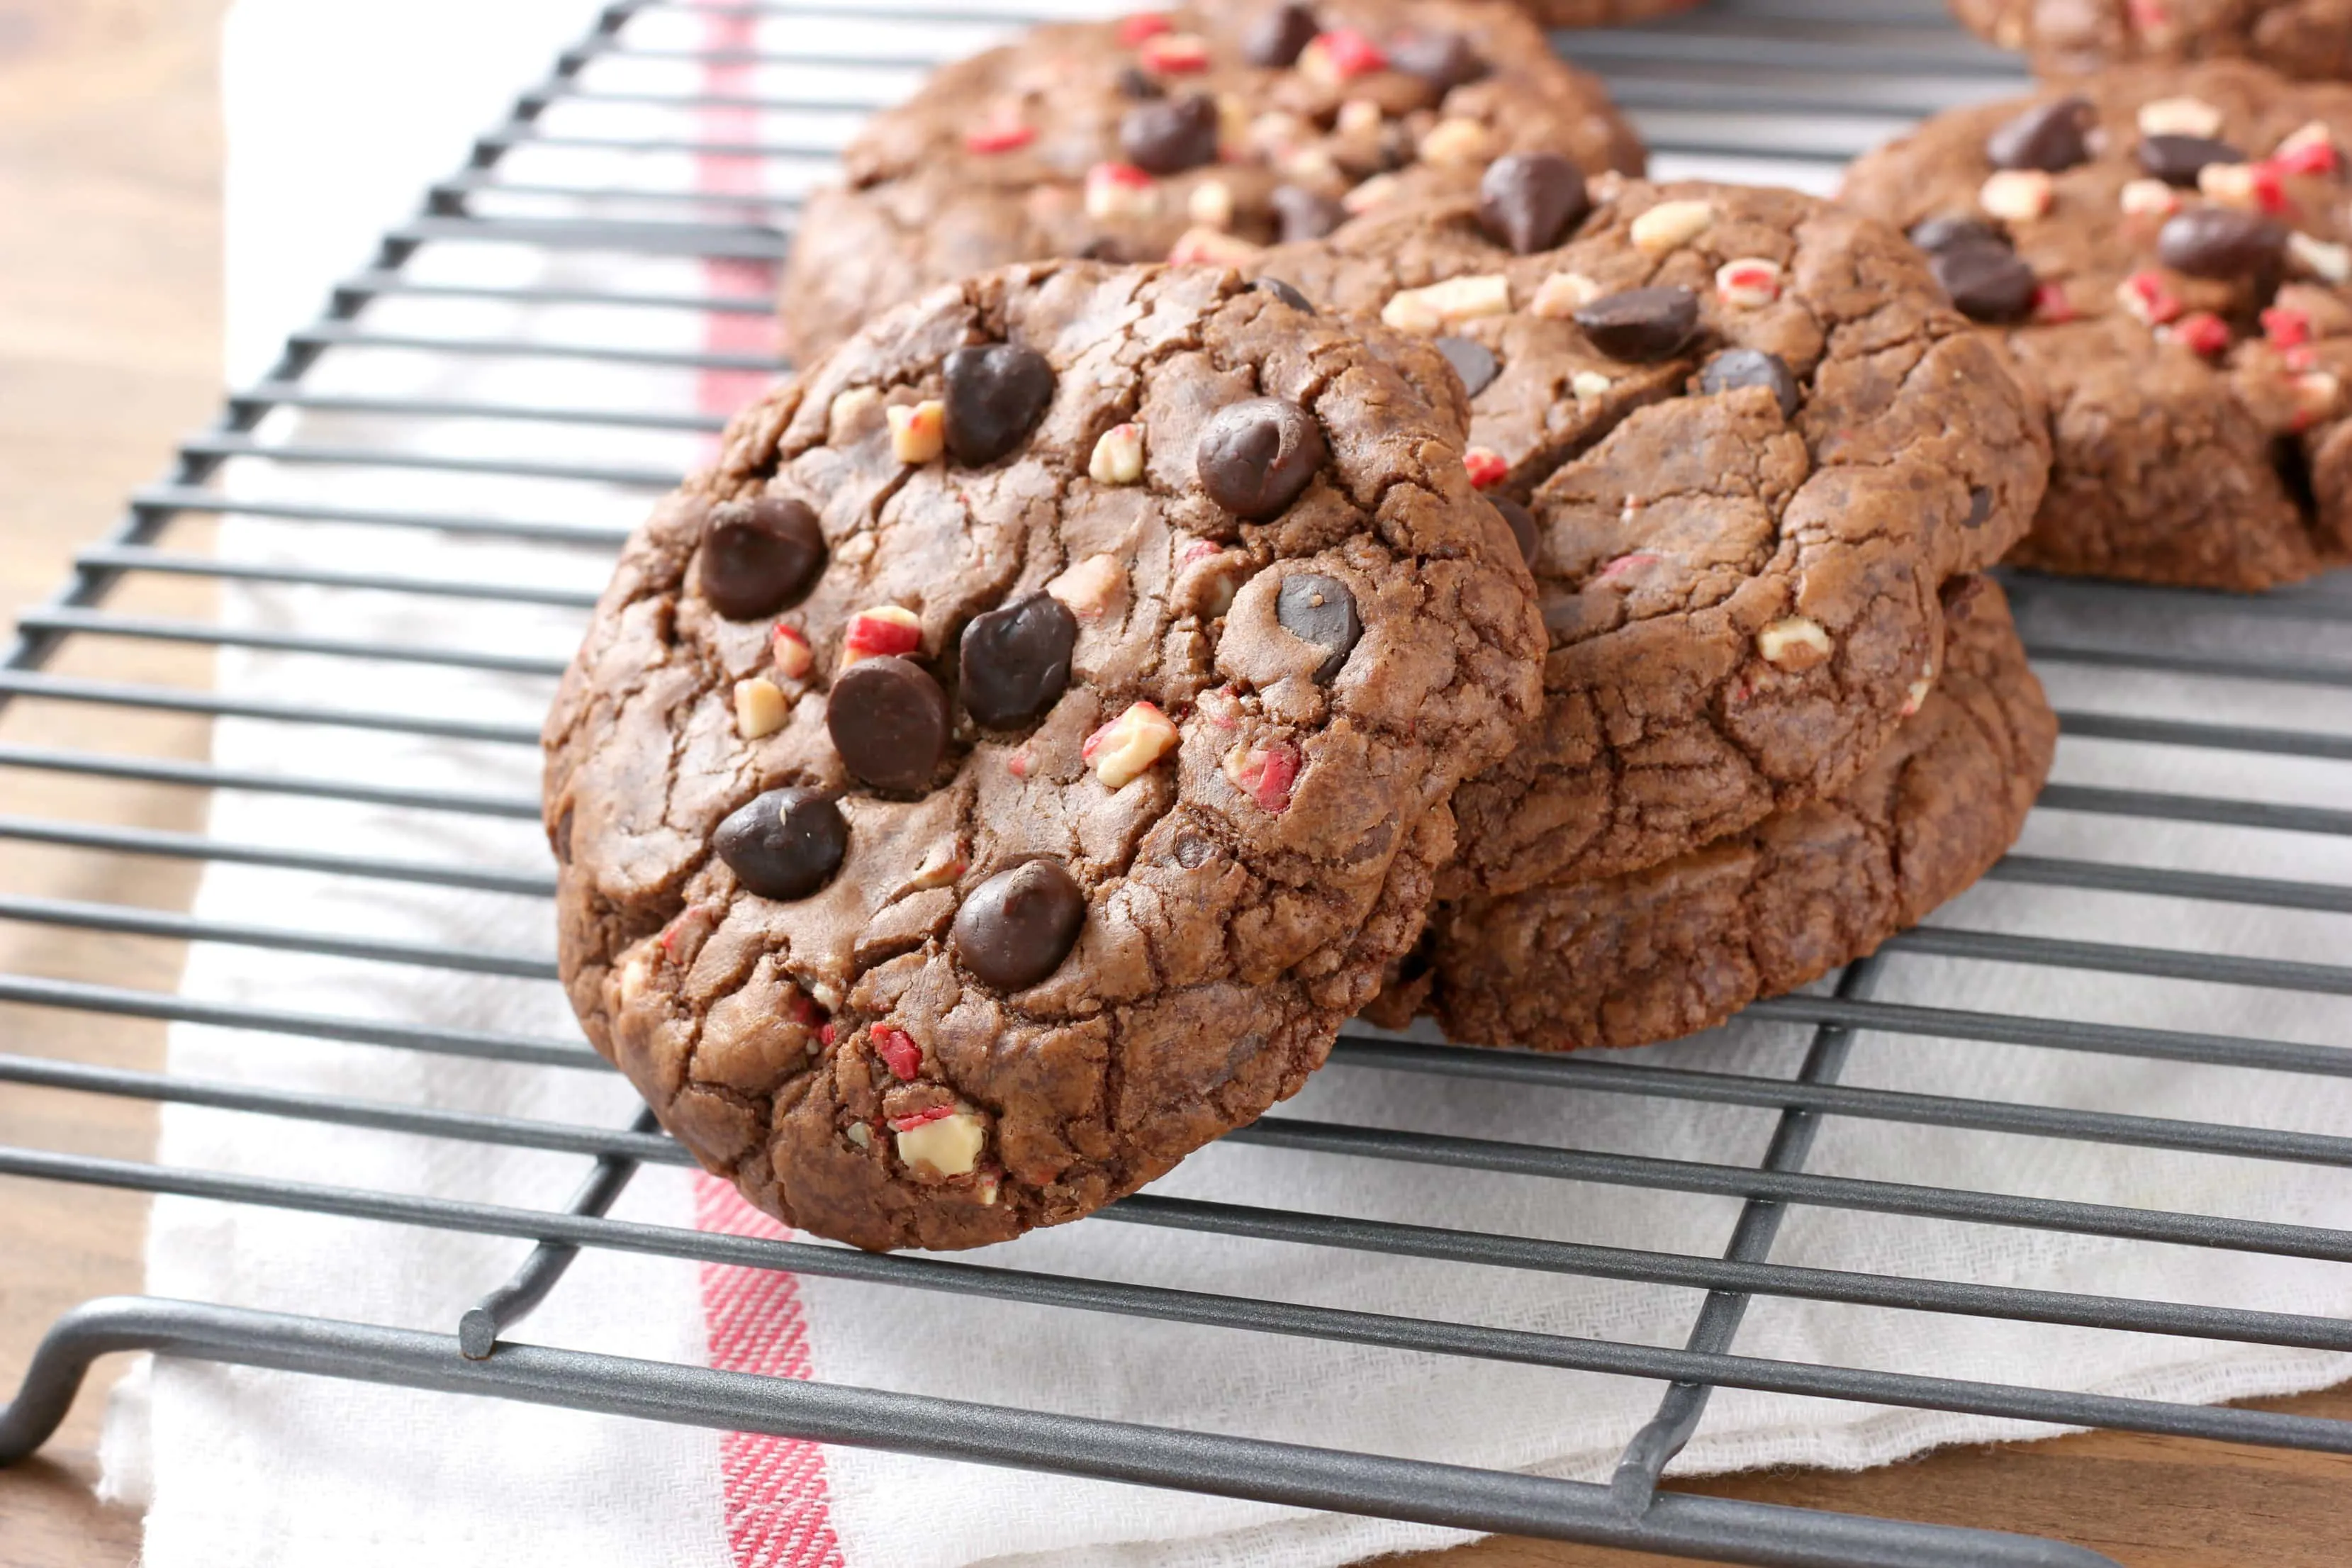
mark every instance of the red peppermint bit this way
{"type": "Point", "coordinates": [2301, 357]}
{"type": "Point", "coordinates": [2051, 305]}
{"type": "Point", "coordinates": [898, 1051]}
{"type": "Point", "coordinates": [1133, 30]}
{"type": "Point", "coordinates": [1200, 550]}
{"type": "Point", "coordinates": [804, 1012]}
{"type": "Point", "coordinates": [1125, 176]}
{"type": "Point", "coordinates": [1173, 54]}
{"type": "Point", "coordinates": [2204, 333]}
{"type": "Point", "coordinates": [1628, 564]}
{"type": "Point", "coordinates": [696, 920]}
{"type": "Point", "coordinates": [1017, 764]}
{"type": "Point", "coordinates": [2155, 302]}
{"type": "Point", "coordinates": [915, 1119]}
{"type": "Point", "coordinates": [1222, 707]}
{"type": "Point", "coordinates": [1350, 53]}
{"type": "Point", "coordinates": [1487, 468]}
{"type": "Point", "coordinates": [2148, 14]}
{"type": "Point", "coordinates": [2314, 157]}
{"type": "Point", "coordinates": [2267, 181]}
{"type": "Point", "coordinates": [1267, 774]}
{"type": "Point", "coordinates": [825, 1033]}
{"type": "Point", "coordinates": [874, 636]}
{"type": "Point", "coordinates": [1003, 134]}
{"type": "Point", "coordinates": [2286, 326]}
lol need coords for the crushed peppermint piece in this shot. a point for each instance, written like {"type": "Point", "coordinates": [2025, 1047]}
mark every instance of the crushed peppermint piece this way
{"type": "Point", "coordinates": [761, 708]}
{"type": "Point", "coordinates": [882, 632]}
{"type": "Point", "coordinates": [2286, 327]}
{"type": "Point", "coordinates": [2017, 194]}
{"type": "Point", "coordinates": [1133, 30]}
{"type": "Point", "coordinates": [1796, 643]}
{"type": "Point", "coordinates": [1340, 55]}
{"type": "Point", "coordinates": [2148, 198]}
{"type": "Point", "coordinates": [1124, 749]}
{"type": "Point", "coordinates": [1266, 773]}
{"type": "Point", "coordinates": [2310, 151]}
{"type": "Point", "coordinates": [898, 1051]}
{"type": "Point", "coordinates": [1090, 587]}
{"type": "Point", "coordinates": [2202, 331]}
{"type": "Point", "coordinates": [2148, 298]}
{"type": "Point", "coordinates": [1487, 468]}
{"type": "Point", "coordinates": [1748, 284]}
{"type": "Point", "coordinates": [2249, 188]}
{"type": "Point", "coordinates": [918, 434]}
{"type": "Point", "coordinates": [2328, 262]}
{"type": "Point", "coordinates": [1173, 54]}
{"type": "Point", "coordinates": [947, 1146]}
{"type": "Point", "coordinates": [1003, 131]}
{"type": "Point", "coordinates": [1117, 456]}
{"type": "Point", "coordinates": [2178, 117]}
{"type": "Point", "coordinates": [789, 651]}
{"type": "Point", "coordinates": [1121, 190]}
{"type": "Point", "coordinates": [1562, 295]}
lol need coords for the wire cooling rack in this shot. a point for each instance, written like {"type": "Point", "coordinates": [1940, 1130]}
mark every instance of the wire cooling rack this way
{"type": "Point", "coordinates": [589, 163]}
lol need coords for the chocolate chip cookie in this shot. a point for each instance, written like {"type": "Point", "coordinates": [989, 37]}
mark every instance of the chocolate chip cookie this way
{"type": "Point", "coordinates": [1197, 134]}
{"type": "Point", "coordinates": [2301, 37]}
{"type": "Point", "coordinates": [2165, 249]}
{"type": "Point", "coordinates": [1745, 443]}
{"type": "Point", "coordinates": [1004, 770]}
{"type": "Point", "coordinates": [1666, 952]}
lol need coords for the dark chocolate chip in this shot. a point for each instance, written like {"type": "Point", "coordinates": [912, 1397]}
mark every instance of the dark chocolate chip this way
{"type": "Point", "coordinates": [888, 719]}
{"type": "Point", "coordinates": [1319, 609]}
{"type": "Point", "coordinates": [1641, 325]}
{"type": "Point", "coordinates": [1017, 926]}
{"type": "Point", "coordinates": [1935, 233]}
{"type": "Point", "coordinates": [1444, 60]}
{"type": "Point", "coordinates": [1474, 363]}
{"type": "Point", "coordinates": [1016, 661]}
{"type": "Point", "coordinates": [1136, 82]}
{"type": "Point", "coordinates": [1278, 37]}
{"type": "Point", "coordinates": [1255, 457]}
{"type": "Point", "coordinates": [1302, 214]}
{"type": "Point", "coordinates": [1522, 523]}
{"type": "Point", "coordinates": [1102, 247]}
{"type": "Point", "coordinates": [759, 556]}
{"type": "Point", "coordinates": [786, 844]}
{"type": "Point", "coordinates": [2179, 160]}
{"type": "Point", "coordinates": [2214, 242]}
{"type": "Point", "coordinates": [1284, 292]}
{"type": "Point", "coordinates": [2050, 136]}
{"type": "Point", "coordinates": [1530, 201]}
{"type": "Point", "coordinates": [1172, 135]}
{"type": "Point", "coordinates": [1736, 368]}
{"type": "Point", "coordinates": [1987, 282]}
{"type": "Point", "coordinates": [995, 396]}
{"type": "Point", "coordinates": [1979, 508]}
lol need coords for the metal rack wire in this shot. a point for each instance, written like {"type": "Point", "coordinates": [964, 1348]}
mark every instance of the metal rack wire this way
{"type": "Point", "coordinates": [1780, 88]}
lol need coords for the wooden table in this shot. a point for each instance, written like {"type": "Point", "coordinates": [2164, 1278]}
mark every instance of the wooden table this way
{"type": "Point", "coordinates": [110, 348]}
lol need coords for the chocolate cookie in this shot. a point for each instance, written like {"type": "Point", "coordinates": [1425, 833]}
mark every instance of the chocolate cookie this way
{"type": "Point", "coordinates": [2301, 37]}
{"type": "Point", "coordinates": [1677, 948]}
{"type": "Point", "coordinates": [1600, 12]}
{"type": "Point", "coordinates": [1007, 768]}
{"type": "Point", "coordinates": [1747, 443]}
{"type": "Point", "coordinates": [1198, 134]}
{"type": "Point", "coordinates": [2164, 249]}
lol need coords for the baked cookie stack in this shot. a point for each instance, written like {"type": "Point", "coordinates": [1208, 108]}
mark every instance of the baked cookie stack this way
{"type": "Point", "coordinates": [1276, 519]}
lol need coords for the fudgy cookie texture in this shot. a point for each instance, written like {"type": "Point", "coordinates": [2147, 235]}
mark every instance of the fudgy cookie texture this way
{"type": "Point", "coordinates": [1005, 770]}
{"type": "Point", "coordinates": [1197, 134]}
{"type": "Point", "coordinates": [2301, 37]}
{"type": "Point", "coordinates": [1600, 12]}
{"type": "Point", "coordinates": [2164, 249]}
{"type": "Point", "coordinates": [1746, 444]}
{"type": "Point", "coordinates": [1666, 952]}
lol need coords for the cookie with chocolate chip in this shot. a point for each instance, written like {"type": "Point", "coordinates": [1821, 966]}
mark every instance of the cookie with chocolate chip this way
{"type": "Point", "coordinates": [2165, 250]}
{"type": "Point", "coordinates": [1198, 134]}
{"type": "Point", "coordinates": [2309, 38]}
{"type": "Point", "coordinates": [1666, 952]}
{"type": "Point", "coordinates": [1745, 443]}
{"type": "Point", "coordinates": [1004, 770]}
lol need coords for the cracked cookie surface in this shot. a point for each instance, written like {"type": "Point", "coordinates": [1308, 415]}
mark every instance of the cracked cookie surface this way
{"type": "Point", "coordinates": [1194, 133]}
{"type": "Point", "coordinates": [1664, 953]}
{"type": "Point", "coordinates": [2165, 249]}
{"type": "Point", "coordinates": [2301, 37]}
{"type": "Point", "coordinates": [1753, 442]}
{"type": "Point", "coordinates": [1006, 769]}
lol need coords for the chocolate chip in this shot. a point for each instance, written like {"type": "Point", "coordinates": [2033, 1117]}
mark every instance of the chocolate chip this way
{"type": "Point", "coordinates": [1255, 457]}
{"type": "Point", "coordinates": [1935, 233]}
{"type": "Point", "coordinates": [2214, 242]}
{"type": "Point", "coordinates": [1018, 926]}
{"type": "Point", "coordinates": [1319, 609]}
{"type": "Point", "coordinates": [1736, 368]}
{"type": "Point", "coordinates": [1278, 37]}
{"type": "Point", "coordinates": [786, 844]}
{"type": "Point", "coordinates": [2050, 136]}
{"type": "Point", "coordinates": [1986, 282]}
{"type": "Point", "coordinates": [888, 719]}
{"type": "Point", "coordinates": [1103, 247]}
{"type": "Point", "coordinates": [1136, 82]}
{"type": "Point", "coordinates": [1979, 508]}
{"type": "Point", "coordinates": [2179, 160]}
{"type": "Point", "coordinates": [1302, 214]}
{"type": "Point", "coordinates": [1474, 363]}
{"type": "Point", "coordinates": [1170, 136]}
{"type": "Point", "coordinates": [1530, 201]}
{"type": "Point", "coordinates": [1284, 292]}
{"type": "Point", "coordinates": [759, 556]}
{"type": "Point", "coordinates": [995, 396]}
{"type": "Point", "coordinates": [1522, 523]}
{"type": "Point", "coordinates": [1444, 60]}
{"type": "Point", "coordinates": [1016, 661]}
{"type": "Point", "coordinates": [1641, 324]}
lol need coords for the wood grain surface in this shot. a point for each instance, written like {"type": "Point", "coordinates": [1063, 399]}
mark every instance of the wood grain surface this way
{"type": "Point", "coordinates": [109, 349]}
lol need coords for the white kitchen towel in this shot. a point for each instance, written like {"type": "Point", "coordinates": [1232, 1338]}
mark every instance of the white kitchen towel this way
{"type": "Point", "coordinates": [336, 113]}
